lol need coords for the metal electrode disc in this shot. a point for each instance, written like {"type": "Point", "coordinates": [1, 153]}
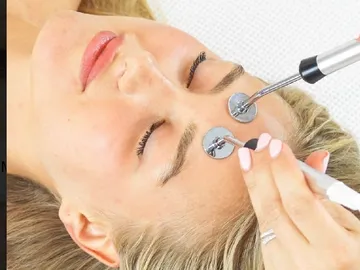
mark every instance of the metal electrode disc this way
{"type": "Point", "coordinates": [233, 106]}
{"type": "Point", "coordinates": [213, 136]}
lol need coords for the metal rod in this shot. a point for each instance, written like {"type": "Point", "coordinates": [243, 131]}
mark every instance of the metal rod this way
{"type": "Point", "coordinates": [267, 90]}
{"type": "Point", "coordinates": [233, 141]}
{"type": "Point", "coordinates": [312, 70]}
{"type": "Point", "coordinates": [335, 190]}
{"type": "Point", "coordinates": [219, 142]}
{"type": "Point", "coordinates": [215, 145]}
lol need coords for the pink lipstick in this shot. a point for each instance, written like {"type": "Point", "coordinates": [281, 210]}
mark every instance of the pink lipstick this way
{"type": "Point", "coordinates": [98, 54]}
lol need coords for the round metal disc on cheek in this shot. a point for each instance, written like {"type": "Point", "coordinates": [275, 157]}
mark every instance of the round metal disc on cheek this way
{"type": "Point", "coordinates": [211, 136]}
{"type": "Point", "coordinates": [239, 98]}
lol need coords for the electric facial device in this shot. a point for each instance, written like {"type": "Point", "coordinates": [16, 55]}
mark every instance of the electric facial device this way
{"type": "Point", "coordinates": [243, 108]}
{"type": "Point", "coordinates": [219, 142]}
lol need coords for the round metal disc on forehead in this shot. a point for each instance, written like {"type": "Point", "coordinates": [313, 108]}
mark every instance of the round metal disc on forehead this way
{"type": "Point", "coordinates": [214, 135]}
{"type": "Point", "coordinates": [233, 106]}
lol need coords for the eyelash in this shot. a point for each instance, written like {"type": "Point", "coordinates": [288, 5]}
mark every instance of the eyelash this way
{"type": "Point", "coordinates": [145, 138]}
{"type": "Point", "coordinates": [140, 150]}
{"type": "Point", "coordinates": [199, 59]}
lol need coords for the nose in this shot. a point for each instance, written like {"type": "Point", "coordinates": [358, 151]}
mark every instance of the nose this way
{"type": "Point", "coordinates": [142, 76]}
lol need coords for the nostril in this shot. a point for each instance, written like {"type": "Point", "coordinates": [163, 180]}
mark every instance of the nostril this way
{"type": "Point", "coordinates": [139, 73]}
{"type": "Point", "coordinates": [121, 70]}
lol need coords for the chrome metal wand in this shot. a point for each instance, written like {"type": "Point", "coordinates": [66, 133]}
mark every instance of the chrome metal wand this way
{"type": "Point", "coordinates": [312, 70]}
{"type": "Point", "coordinates": [220, 143]}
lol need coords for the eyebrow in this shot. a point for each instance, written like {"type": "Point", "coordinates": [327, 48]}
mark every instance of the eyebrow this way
{"type": "Point", "coordinates": [232, 76]}
{"type": "Point", "coordinates": [190, 131]}
{"type": "Point", "coordinates": [178, 161]}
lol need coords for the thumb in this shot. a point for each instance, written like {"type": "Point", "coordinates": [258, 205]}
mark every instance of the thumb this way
{"type": "Point", "coordinates": [318, 160]}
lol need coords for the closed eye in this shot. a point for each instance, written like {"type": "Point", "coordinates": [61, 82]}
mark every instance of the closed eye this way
{"type": "Point", "coordinates": [199, 59]}
{"type": "Point", "coordinates": [146, 137]}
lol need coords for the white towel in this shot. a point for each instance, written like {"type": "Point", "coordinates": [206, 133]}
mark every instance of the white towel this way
{"type": "Point", "coordinates": [270, 38]}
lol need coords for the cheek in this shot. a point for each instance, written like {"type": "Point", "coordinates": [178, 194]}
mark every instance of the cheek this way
{"type": "Point", "coordinates": [53, 78]}
{"type": "Point", "coordinates": [78, 144]}
{"type": "Point", "coordinates": [210, 189]}
{"type": "Point", "coordinates": [56, 55]}
{"type": "Point", "coordinates": [223, 185]}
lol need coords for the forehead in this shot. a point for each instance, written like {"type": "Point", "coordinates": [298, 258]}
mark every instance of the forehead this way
{"type": "Point", "coordinates": [282, 115]}
{"type": "Point", "coordinates": [274, 114]}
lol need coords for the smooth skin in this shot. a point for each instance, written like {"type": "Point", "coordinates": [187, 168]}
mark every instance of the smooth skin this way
{"type": "Point", "coordinates": [82, 144]}
{"type": "Point", "coordinates": [312, 232]}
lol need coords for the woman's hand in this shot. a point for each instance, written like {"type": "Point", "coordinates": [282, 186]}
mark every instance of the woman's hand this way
{"type": "Point", "coordinates": [311, 233]}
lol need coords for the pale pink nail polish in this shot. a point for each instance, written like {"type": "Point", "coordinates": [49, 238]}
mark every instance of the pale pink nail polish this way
{"type": "Point", "coordinates": [245, 158]}
{"type": "Point", "coordinates": [275, 148]}
{"type": "Point", "coordinates": [326, 161]}
{"type": "Point", "coordinates": [263, 141]}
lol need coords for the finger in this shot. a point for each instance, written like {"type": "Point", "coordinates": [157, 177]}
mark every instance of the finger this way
{"type": "Point", "coordinates": [318, 160]}
{"type": "Point", "coordinates": [265, 197]}
{"type": "Point", "coordinates": [268, 260]}
{"type": "Point", "coordinates": [303, 208]}
{"type": "Point", "coordinates": [277, 258]}
{"type": "Point", "coordinates": [342, 216]}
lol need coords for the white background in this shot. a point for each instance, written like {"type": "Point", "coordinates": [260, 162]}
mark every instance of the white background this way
{"type": "Point", "coordinates": [269, 38]}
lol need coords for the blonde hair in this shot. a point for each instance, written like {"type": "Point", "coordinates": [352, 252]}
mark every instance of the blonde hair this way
{"type": "Point", "coordinates": [132, 8]}
{"type": "Point", "coordinates": [36, 238]}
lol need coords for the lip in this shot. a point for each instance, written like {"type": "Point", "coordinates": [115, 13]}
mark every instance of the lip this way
{"type": "Point", "coordinates": [98, 54]}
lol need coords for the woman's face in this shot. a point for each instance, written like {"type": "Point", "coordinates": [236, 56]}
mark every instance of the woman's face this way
{"type": "Point", "coordinates": [89, 135]}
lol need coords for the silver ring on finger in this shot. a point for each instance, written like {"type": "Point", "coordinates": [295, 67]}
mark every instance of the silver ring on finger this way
{"type": "Point", "coordinates": [267, 236]}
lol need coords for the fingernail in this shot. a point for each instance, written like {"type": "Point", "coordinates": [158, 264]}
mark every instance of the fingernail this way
{"type": "Point", "coordinates": [326, 161]}
{"type": "Point", "coordinates": [275, 148]}
{"type": "Point", "coordinates": [263, 141]}
{"type": "Point", "coordinates": [245, 158]}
